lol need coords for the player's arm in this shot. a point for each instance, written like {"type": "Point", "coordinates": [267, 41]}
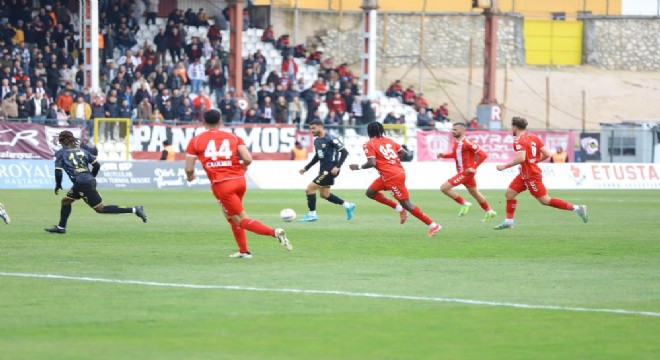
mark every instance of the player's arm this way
{"type": "Point", "coordinates": [190, 167]}
{"type": "Point", "coordinates": [244, 154]}
{"type": "Point", "coordinates": [518, 159]}
{"type": "Point", "coordinates": [58, 180]}
{"type": "Point", "coordinates": [371, 162]}
{"type": "Point", "coordinates": [95, 168]}
{"type": "Point", "coordinates": [480, 158]}
{"type": "Point", "coordinates": [343, 154]}
{"type": "Point", "coordinates": [449, 155]}
{"type": "Point", "coordinates": [545, 153]}
{"type": "Point", "coordinates": [311, 163]}
{"type": "Point", "coordinates": [163, 155]}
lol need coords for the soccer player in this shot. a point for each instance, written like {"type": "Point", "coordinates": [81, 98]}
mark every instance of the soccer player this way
{"type": "Point", "coordinates": [384, 154]}
{"type": "Point", "coordinates": [331, 154]}
{"type": "Point", "coordinates": [225, 158]}
{"type": "Point", "coordinates": [3, 214]}
{"type": "Point", "coordinates": [75, 162]}
{"type": "Point", "coordinates": [468, 157]}
{"type": "Point", "coordinates": [529, 152]}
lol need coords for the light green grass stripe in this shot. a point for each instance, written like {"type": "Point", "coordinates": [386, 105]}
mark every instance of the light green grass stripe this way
{"type": "Point", "coordinates": [335, 292]}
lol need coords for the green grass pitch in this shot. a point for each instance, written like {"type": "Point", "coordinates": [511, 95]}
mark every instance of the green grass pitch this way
{"type": "Point", "coordinates": [398, 294]}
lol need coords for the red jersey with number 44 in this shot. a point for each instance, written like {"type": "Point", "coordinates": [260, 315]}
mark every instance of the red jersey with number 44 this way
{"type": "Point", "coordinates": [531, 145]}
{"type": "Point", "coordinates": [467, 154]}
{"type": "Point", "coordinates": [386, 152]}
{"type": "Point", "coordinates": [217, 150]}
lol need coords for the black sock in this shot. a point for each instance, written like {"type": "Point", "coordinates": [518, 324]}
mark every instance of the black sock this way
{"type": "Point", "coordinates": [335, 199]}
{"type": "Point", "coordinates": [311, 202]}
{"type": "Point", "coordinates": [65, 211]}
{"type": "Point", "coordinates": [114, 209]}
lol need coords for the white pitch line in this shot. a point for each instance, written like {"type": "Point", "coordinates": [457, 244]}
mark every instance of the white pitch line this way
{"type": "Point", "coordinates": [336, 292]}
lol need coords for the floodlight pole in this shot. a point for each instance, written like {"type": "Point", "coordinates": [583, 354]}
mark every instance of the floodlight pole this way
{"type": "Point", "coordinates": [236, 46]}
{"type": "Point", "coordinates": [90, 15]}
{"type": "Point", "coordinates": [369, 15]}
{"type": "Point", "coordinates": [490, 54]}
{"type": "Point", "coordinates": [488, 111]}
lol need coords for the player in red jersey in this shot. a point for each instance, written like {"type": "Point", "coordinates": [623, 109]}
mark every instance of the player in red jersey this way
{"type": "Point", "coordinates": [468, 157]}
{"type": "Point", "coordinates": [225, 158]}
{"type": "Point", "coordinates": [384, 154]}
{"type": "Point", "coordinates": [529, 152]}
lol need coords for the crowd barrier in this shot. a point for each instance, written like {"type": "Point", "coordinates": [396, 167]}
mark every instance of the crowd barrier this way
{"type": "Point", "coordinates": [39, 174]}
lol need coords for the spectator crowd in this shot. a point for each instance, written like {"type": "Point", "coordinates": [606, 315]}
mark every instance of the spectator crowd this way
{"type": "Point", "coordinates": [168, 79]}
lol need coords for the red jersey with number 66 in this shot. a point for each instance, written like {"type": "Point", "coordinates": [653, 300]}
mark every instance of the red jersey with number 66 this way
{"type": "Point", "coordinates": [386, 152]}
{"type": "Point", "coordinates": [217, 150]}
{"type": "Point", "coordinates": [531, 145]}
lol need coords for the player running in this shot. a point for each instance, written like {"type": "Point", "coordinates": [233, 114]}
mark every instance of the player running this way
{"type": "Point", "coordinates": [331, 154]}
{"type": "Point", "coordinates": [3, 214]}
{"type": "Point", "coordinates": [384, 154]}
{"type": "Point", "coordinates": [468, 157]}
{"type": "Point", "coordinates": [529, 152]}
{"type": "Point", "coordinates": [75, 162]}
{"type": "Point", "coordinates": [225, 159]}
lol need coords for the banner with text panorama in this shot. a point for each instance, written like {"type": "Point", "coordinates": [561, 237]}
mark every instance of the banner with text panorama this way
{"type": "Point", "coordinates": [498, 144]}
{"type": "Point", "coordinates": [265, 142]}
{"type": "Point", "coordinates": [39, 174]}
{"type": "Point", "coordinates": [31, 141]}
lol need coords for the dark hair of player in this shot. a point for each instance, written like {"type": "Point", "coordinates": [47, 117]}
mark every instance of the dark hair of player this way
{"type": "Point", "coordinates": [375, 129]}
{"type": "Point", "coordinates": [460, 124]}
{"type": "Point", "coordinates": [519, 122]}
{"type": "Point", "coordinates": [212, 116]}
{"type": "Point", "coordinates": [67, 139]}
{"type": "Point", "coordinates": [316, 122]}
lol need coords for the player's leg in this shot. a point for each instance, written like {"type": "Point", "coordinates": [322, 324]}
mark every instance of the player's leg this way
{"type": "Point", "coordinates": [517, 186]}
{"type": "Point", "coordinates": [374, 192]}
{"type": "Point", "coordinates": [448, 189]}
{"type": "Point", "coordinates": [310, 192]}
{"type": "Point", "coordinates": [3, 214]}
{"type": "Point", "coordinates": [538, 190]}
{"type": "Point", "coordinates": [418, 213]}
{"type": "Point", "coordinates": [481, 200]}
{"type": "Point", "coordinates": [326, 182]}
{"type": "Point", "coordinates": [231, 194]}
{"type": "Point", "coordinates": [65, 212]}
{"type": "Point", "coordinates": [400, 191]}
{"type": "Point", "coordinates": [94, 200]}
{"type": "Point", "coordinates": [239, 233]}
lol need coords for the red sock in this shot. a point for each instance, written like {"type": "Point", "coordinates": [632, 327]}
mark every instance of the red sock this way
{"type": "Point", "coordinates": [385, 200]}
{"type": "Point", "coordinates": [418, 213]}
{"type": "Point", "coordinates": [484, 205]}
{"type": "Point", "coordinates": [239, 236]}
{"type": "Point", "coordinates": [257, 227]}
{"type": "Point", "coordinates": [460, 200]}
{"type": "Point", "coordinates": [560, 204]}
{"type": "Point", "coordinates": [511, 208]}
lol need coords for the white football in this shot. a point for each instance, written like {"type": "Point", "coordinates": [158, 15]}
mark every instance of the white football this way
{"type": "Point", "coordinates": [287, 214]}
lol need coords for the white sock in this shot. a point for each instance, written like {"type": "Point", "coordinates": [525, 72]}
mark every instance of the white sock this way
{"type": "Point", "coordinates": [398, 208]}
{"type": "Point", "coordinates": [346, 205]}
{"type": "Point", "coordinates": [575, 207]}
{"type": "Point", "coordinates": [133, 210]}
{"type": "Point", "coordinates": [432, 225]}
{"type": "Point", "coordinates": [312, 213]}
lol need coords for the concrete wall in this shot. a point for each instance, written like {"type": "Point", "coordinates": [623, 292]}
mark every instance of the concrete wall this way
{"type": "Point", "coordinates": [613, 43]}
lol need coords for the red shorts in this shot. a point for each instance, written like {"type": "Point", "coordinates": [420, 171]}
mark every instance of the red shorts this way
{"type": "Point", "coordinates": [467, 179]}
{"type": "Point", "coordinates": [395, 185]}
{"type": "Point", "coordinates": [534, 185]}
{"type": "Point", "coordinates": [230, 195]}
